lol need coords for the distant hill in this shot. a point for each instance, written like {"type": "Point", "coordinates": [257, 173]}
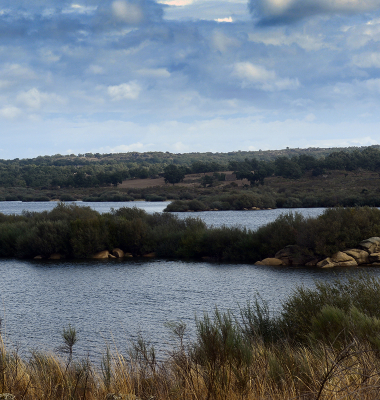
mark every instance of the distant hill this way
{"type": "Point", "coordinates": [102, 170]}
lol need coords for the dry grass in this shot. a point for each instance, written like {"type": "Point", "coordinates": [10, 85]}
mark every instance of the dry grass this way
{"type": "Point", "coordinates": [275, 372]}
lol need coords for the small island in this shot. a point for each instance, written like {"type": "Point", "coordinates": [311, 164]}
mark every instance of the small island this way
{"type": "Point", "coordinates": [338, 237]}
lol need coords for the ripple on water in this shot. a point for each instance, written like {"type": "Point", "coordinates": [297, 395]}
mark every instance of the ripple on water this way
{"type": "Point", "coordinates": [110, 302]}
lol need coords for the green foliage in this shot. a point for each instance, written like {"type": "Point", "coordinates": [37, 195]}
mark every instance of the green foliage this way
{"type": "Point", "coordinates": [173, 174]}
{"type": "Point", "coordinates": [360, 294]}
{"type": "Point", "coordinates": [80, 232]}
{"type": "Point", "coordinates": [221, 348]}
{"type": "Point", "coordinates": [88, 237]}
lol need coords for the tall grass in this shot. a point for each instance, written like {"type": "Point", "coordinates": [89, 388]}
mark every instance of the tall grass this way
{"type": "Point", "coordinates": [333, 353]}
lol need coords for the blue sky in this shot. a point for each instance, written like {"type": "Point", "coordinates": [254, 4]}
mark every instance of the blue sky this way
{"type": "Point", "coordinates": [187, 75]}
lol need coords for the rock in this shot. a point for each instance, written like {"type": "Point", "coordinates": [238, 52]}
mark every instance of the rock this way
{"type": "Point", "coordinates": [101, 255]}
{"type": "Point", "coordinates": [360, 256]}
{"type": "Point", "coordinates": [352, 263]}
{"type": "Point", "coordinates": [371, 245]}
{"type": "Point", "coordinates": [341, 259]}
{"type": "Point", "coordinates": [38, 258]}
{"type": "Point", "coordinates": [7, 396]}
{"type": "Point", "coordinates": [326, 263]}
{"type": "Point", "coordinates": [374, 257]}
{"type": "Point", "coordinates": [118, 253]}
{"type": "Point", "coordinates": [269, 261]}
{"type": "Point", "coordinates": [55, 256]}
{"type": "Point", "coordinates": [312, 263]}
{"type": "Point", "coordinates": [149, 255]}
{"type": "Point", "coordinates": [293, 255]}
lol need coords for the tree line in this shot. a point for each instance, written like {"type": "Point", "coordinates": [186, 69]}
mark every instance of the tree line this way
{"type": "Point", "coordinates": [95, 170]}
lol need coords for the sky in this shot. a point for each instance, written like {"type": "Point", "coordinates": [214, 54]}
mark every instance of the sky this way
{"type": "Point", "coordinates": [187, 75]}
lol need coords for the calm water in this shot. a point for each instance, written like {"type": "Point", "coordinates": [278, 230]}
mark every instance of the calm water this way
{"type": "Point", "coordinates": [111, 301]}
{"type": "Point", "coordinates": [249, 219]}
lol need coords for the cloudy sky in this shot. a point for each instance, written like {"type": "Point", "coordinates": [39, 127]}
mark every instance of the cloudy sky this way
{"type": "Point", "coordinates": [187, 75]}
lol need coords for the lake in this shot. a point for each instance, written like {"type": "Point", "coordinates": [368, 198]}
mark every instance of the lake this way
{"type": "Point", "coordinates": [249, 219]}
{"type": "Point", "coordinates": [112, 301]}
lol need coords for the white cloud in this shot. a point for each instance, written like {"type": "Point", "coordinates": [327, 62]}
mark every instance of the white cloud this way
{"type": "Point", "coordinates": [127, 12]}
{"type": "Point", "coordinates": [17, 71]}
{"type": "Point", "coordinates": [34, 99]}
{"type": "Point", "coordinates": [48, 56]}
{"type": "Point", "coordinates": [310, 117]}
{"type": "Point", "coordinates": [222, 42]}
{"type": "Point", "coordinates": [95, 69]}
{"type": "Point", "coordinates": [227, 19]}
{"type": "Point", "coordinates": [124, 91]}
{"type": "Point", "coordinates": [279, 36]}
{"type": "Point", "coordinates": [179, 147]}
{"type": "Point", "coordinates": [10, 112]}
{"type": "Point", "coordinates": [5, 84]}
{"type": "Point", "coordinates": [154, 72]}
{"type": "Point", "coordinates": [123, 148]}
{"type": "Point", "coordinates": [79, 9]}
{"type": "Point", "coordinates": [177, 3]}
{"type": "Point", "coordinates": [261, 78]}
{"type": "Point", "coordinates": [367, 60]}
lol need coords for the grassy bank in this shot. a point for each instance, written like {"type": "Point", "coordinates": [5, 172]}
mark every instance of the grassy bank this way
{"type": "Point", "coordinates": [323, 344]}
{"type": "Point", "coordinates": [79, 232]}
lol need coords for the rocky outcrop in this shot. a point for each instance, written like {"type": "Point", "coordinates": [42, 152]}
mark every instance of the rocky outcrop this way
{"type": "Point", "coordinates": [118, 253]}
{"type": "Point", "coordinates": [269, 261]}
{"type": "Point", "coordinates": [326, 263]}
{"type": "Point", "coordinates": [367, 253]}
{"type": "Point", "coordinates": [371, 245]}
{"type": "Point", "coordinates": [360, 256]}
{"type": "Point", "coordinates": [374, 257]}
{"type": "Point", "coordinates": [293, 255]}
{"type": "Point", "coordinates": [101, 255]}
{"type": "Point", "coordinates": [341, 259]}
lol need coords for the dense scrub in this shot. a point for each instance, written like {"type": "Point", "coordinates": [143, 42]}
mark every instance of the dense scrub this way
{"type": "Point", "coordinates": [324, 344]}
{"type": "Point", "coordinates": [79, 232]}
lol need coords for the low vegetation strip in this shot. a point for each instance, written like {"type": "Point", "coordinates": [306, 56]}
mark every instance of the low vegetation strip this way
{"type": "Point", "coordinates": [69, 231]}
{"type": "Point", "coordinates": [323, 344]}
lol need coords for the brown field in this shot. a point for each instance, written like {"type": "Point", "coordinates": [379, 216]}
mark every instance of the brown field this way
{"type": "Point", "coordinates": [190, 180]}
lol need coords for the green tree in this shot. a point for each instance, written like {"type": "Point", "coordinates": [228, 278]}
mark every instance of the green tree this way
{"type": "Point", "coordinates": [173, 174]}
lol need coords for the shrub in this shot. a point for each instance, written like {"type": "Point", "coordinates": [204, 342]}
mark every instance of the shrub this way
{"type": "Point", "coordinates": [44, 238]}
{"type": "Point", "coordinates": [361, 292]}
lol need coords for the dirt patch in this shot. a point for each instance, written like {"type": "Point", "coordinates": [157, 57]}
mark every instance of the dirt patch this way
{"type": "Point", "coordinates": [141, 183]}
{"type": "Point", "coordinates": [190, 180]}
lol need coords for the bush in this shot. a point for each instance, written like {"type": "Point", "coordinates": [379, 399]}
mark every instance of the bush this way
{"type": "Point", "coordinates": [361, 293]}
{"type": "Point", "coordinates": [44, 238]}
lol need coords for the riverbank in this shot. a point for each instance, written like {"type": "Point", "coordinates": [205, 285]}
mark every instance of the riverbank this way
{"type": "Point", "coordinates": [322, 344]}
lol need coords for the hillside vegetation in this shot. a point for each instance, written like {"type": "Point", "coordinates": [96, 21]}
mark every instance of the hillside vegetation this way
{"type": "Point", "coordinates": [288, 178]}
